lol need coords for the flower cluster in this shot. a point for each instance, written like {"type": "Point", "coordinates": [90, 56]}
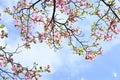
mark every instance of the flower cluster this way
{"type": "Point", "coordinates": [16, 70]}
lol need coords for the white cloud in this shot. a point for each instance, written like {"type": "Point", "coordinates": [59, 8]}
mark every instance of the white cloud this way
{"type": "Point", "coordinates": [82, 78]}
{"type": "Point", "coordinates": [115, 74]}
{"type": "Point", "coordinates": [41, 54]}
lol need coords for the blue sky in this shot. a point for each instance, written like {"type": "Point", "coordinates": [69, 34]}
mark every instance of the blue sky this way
{"type": "Point", "coordinates": [64, 64]}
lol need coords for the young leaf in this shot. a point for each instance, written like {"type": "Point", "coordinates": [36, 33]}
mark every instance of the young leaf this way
{"type": "Point", "coordinates": [2, 26]}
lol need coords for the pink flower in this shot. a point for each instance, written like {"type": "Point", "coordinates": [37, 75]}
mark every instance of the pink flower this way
{"type": "Point", "coordinates": [57, 33]}
{"type": "Point", "coordinates": [14, 68]}
{"type": "Point", "coordinates": [76, 1]}
{"type": "Point", "coordinates": [60, 2]}
{"type": "Point", "coordinates": [90, 56]}
{"type": "Point", "coordinates": [116, 30]}
{"type": "Point", "coordinates": [39, 18]}
{"type": "Point", "coordinates": [18, 24]}
{"type": "Point", "coordinates": [24, 30]}
{"type": "Point", "coordinates": [87, 5]}
{"type": "Point", "coordinates": [1, 63]}
{"type": "Point", "coordinates": [108, 37]}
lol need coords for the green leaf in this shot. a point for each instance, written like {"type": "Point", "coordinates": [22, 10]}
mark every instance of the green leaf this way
{"type": "Point", "coordinates": [93, 6]}
{"type": "Point", "coordinates": [69, 43]}
{"type": "Point", "coordinates": [10, 54]}
{"type": "Point", "coordinates": [0, 47]}
{"type": "Point", "coordinates": [5, 64]}
{"type": "Point", "coordinates": [26, 18]}
{"type": "Point", "coordinates": [2, 26]}
{"type": "Point", "coordinates": [119, 12]}
{"type": "Point", "coordinates": [67, 23]}
{"type": "Point", "coordinates": [48, 70]}
{"type": "Point", "coordinates": [1, 55]}
{"type": "Point", "coordinates": [94, 51]}
{"type": "Point", "coordinates": [93, 26]}
{"type": "Point", "coordinates": [40, 69]}
{"type": "Point", "coordinates": [41, 11]}
{"type": "Point", "coordinates": [81, 51]}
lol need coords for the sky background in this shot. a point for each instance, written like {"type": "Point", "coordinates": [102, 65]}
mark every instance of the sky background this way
{"type": "Point", "coordinates": [64, 64]}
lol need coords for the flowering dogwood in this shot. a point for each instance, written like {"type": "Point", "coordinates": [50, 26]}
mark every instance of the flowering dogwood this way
{"type": "Point", "coordinates": [27, 15]}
